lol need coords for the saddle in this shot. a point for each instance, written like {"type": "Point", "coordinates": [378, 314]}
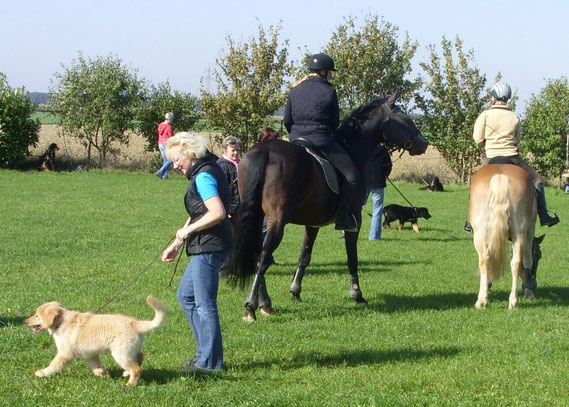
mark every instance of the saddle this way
{"type": "Point", "coordinates": [501, 160]}
{"type": "Point", "coordinates": [330, 173]}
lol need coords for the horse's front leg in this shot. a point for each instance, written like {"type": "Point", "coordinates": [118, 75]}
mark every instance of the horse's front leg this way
{"type": "Point", "coordinates": [310, 234]}
{"type": "Point", "coordinates": [351, 241]}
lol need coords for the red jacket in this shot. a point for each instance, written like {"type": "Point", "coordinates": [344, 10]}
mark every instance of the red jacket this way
{"type": "Point", "coordinates": [164, 132]}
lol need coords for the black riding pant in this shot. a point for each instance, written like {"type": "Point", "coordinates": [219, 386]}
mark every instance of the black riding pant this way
{"type": "Point", "coordinates": [340, 159]}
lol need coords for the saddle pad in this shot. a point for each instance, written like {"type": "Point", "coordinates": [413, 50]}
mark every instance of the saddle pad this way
{"type": "Point", "coordinates": [329, 172]}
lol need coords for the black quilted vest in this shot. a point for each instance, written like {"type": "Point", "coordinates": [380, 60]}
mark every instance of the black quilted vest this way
{"type": "Point", "coordinates": [219, 237]}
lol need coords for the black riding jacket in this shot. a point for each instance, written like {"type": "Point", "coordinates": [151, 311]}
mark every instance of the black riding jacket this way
{"type": "Point", "coordinates": [230, 172]}
{"type": "Point", "coordinates": [312, 111]}
{"type": "Point", "coordinates": [219, 237]}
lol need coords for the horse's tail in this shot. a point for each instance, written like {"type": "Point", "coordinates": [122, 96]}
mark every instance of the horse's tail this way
{"type": "Point", "coordinates": [498, 225]}
{"type": "Point", "coordinates": [242, 261]}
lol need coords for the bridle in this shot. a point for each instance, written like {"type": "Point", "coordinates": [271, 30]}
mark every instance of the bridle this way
{"type": "Point", "coordinates": [407, 145]}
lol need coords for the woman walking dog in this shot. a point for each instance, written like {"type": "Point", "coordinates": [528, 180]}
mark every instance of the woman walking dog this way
{"type": "Point", "coordinates": [208, 238]}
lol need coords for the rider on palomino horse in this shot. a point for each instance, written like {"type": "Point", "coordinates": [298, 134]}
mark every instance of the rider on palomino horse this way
{"type": "Point", "coordinates": [312, 113]}
{"type": "Point", "coordinates": [499, 130]}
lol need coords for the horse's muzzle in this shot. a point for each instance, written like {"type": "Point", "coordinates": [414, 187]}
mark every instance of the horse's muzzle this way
{"type": "Point", "coordinates": [419, 145]}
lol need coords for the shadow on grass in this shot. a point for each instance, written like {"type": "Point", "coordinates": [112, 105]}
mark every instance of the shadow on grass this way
{"type": "Point", "coordinates": [355, 358]}
{"type": "Point", "coordinates": [545, 296]}
{"type": "Point", "coordinates": [7, 321]}
{"type": "Point", "coordinates": [384, 265]}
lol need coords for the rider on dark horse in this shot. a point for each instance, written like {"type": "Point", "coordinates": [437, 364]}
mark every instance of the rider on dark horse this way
{"type": "Point", "coordinates": [312, 113]}
{"type": "Point", "coordinates": [499, 130]}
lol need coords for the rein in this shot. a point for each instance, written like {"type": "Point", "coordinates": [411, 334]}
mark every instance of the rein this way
{"type": "Point", "coordinates": [140, 275]}
{"type": "Point", "coordinates": [400, 193]}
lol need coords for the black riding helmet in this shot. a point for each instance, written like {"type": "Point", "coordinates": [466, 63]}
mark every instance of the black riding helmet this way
{"type": "Point", "coordinates": [320, 61]}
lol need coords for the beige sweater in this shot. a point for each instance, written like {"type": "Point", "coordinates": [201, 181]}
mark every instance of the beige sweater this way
{"type": "Point", "coordinates": [499, 129]}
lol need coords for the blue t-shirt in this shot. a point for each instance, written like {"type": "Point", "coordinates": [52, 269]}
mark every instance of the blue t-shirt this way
{"type": "Point", "coordinates": [206, 185]}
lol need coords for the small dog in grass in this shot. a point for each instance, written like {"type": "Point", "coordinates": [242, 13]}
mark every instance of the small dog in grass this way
{"type": "Point", "coordinates": [404, 214]}
{"type": "Point", "coordinates": [47, 160]}
{"type": "Point", "coordinates": [88, 335]}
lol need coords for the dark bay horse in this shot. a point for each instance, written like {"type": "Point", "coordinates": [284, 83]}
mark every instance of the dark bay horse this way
{"type": "Point", "coordinates": [283, 182]}
{"type": "Point", "coordinates": [503, 207]}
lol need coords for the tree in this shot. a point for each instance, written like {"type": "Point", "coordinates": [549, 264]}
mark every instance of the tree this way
{"type": "Point", "coordinates": [96, 99]}
{"type": "Point", "coordinates": [157, 101]}
{"type": "Point", "coordinates": [250, 85]}
{"type": "Point", "coordinates": [18, 130]}
{"type": "Point", "coordinates": [454, 96]}
{"type": "Point", "coordinates": [545, 128]}
{"type": "Point", "coordinates": [370, 59]}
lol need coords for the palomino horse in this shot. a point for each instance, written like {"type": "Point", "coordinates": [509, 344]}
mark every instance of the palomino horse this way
{"type": "Point", "coordinates": [283, 182]}
{"type": "Point", "coordinates": [503, 207]}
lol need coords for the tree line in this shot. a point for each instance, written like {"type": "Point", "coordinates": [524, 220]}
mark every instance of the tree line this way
{"type": "Point", "coordinates": [99, 99]}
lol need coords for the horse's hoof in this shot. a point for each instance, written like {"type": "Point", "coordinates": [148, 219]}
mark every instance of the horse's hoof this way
{"type": "Point", "coordinates": [528, 294]}
{"type": "Point", "coordinates": [480, 305]}
{"type": "Point", "coordinates": [296, 297]}
{"type": "Point", "coordinates": [267, 311]}
{"type": "Point", "coordinates": [249, 317]}
{"type": "Point", "coordinates": [361, 302]}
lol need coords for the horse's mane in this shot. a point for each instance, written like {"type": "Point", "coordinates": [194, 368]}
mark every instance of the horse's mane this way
{"type": "Point", "coordinates": [346, 127]}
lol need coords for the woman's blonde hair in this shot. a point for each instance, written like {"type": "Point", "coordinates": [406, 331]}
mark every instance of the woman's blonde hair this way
{"type": "Point", "coordinates": [189, 145]}
{"type": "Point", "coordinates": [230, 141]}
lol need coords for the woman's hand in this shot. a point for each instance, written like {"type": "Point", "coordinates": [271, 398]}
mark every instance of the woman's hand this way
{"type": "Point", "coordinates": [171, 251]}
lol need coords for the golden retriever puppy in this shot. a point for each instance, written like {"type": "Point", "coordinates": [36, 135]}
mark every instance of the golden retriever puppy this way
{"type": "Point", "coordinates": [88, 335]}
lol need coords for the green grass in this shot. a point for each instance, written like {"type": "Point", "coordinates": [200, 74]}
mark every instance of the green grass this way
{"type": "Point", "coordinates": [46, 117]}
{"type": "Point", "coordinates": [79, 237]}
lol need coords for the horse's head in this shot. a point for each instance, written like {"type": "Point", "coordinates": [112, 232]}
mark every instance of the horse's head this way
{"type": "Point", "coordinates": [401, 130]}
{"type": "Point", "coordinates": [382, 121]}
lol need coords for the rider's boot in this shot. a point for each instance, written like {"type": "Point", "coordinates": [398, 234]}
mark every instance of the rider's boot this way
{"type": "Point", "coordinates": [345, 219]}
{"type": "Point", "coordinates": [544, 218]}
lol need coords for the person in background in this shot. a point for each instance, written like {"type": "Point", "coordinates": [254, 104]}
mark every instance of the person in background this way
{"type": "Point", "coordinates": [229, 163]}
{"type": "Point", "coordinates": [312, 113]}
{"type": "Point", "coordinates": [499, 130]}
{"type": "Point", "coordinates": [377, 170]}
{"type": "Point", "coordinates": [208, 237]}
{"type": "Point", "coordinates": [165, 131]}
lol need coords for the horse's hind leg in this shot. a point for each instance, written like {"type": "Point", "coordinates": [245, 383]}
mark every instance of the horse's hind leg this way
{"type": "Point", "coordinates": [351, 242]}
{"type": "Point", "coordinates": [480, 244]}
{"type": "Point", "coordinates": [515, 265]}
{"type": "Point", "coordinates": [259, 295]}
{"type": "Point", "coordinates": [310, 234]}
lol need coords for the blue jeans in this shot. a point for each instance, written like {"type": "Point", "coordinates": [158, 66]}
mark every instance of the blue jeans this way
{"type": "Point", "coordinates": [197, 294]}
{"type": "Point", "coordinates": [163, 171]}
{"type": "Point", "coordinates": [377, 211]}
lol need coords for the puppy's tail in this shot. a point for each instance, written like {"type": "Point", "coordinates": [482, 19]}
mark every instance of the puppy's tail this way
{"type": "Point", "coordinates": [159, 316]}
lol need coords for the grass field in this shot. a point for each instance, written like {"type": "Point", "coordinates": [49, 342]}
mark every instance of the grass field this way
{"type": "Point", "coordinates": [79, 237]}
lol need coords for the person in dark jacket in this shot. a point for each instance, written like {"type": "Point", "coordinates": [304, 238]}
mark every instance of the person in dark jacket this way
{"type": "Point", "coordinates": [312, 113]}
{"type": "Point", "coordinates": [229, 163]}
{"type": "Point", "coordinates": [377, 170]}
{"type": "Point", "coordinates": [208, 238]}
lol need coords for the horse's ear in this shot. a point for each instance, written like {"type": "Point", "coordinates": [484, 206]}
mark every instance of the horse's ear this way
{"type": "Point", "coordinates": [391, 99]}
{"type": "Point", "coordinates": [382, 94]}
{"type": "Point", "coordinates": [539, 239]}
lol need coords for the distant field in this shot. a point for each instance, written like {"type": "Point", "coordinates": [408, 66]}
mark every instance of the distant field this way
{"type": "Point", "coordinates": [46, 118]}
{"type": "Point", "coordinates": [79, 237]}
{"type": "Point", "coordinates": [136, 157]}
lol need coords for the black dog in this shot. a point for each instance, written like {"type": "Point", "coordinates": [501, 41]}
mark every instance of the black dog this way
{"type": "Point", "coordinates": [47, 160]}
{"type": "Point", "coordinates": [404, 214]}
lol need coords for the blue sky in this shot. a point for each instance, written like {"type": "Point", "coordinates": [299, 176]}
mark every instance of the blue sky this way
{"type": "Point", "coordinates": [178, 40]}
